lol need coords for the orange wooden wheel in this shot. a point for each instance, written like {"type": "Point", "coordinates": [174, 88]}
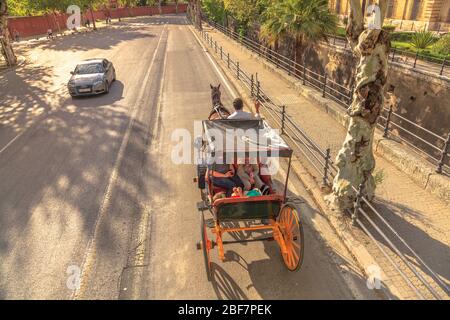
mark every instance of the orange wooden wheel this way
{"type": "Point", "coordinates": [292, 233]}
{"type": "Point", "coordinates": [206, 246]}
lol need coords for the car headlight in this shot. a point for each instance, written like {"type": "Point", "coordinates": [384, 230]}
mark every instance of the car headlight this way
{"type": "Point", "coordinates": [71, 83]}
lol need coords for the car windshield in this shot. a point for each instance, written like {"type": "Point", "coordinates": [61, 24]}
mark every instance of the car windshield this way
{"type": "Point", "coordinates": [89, 68]}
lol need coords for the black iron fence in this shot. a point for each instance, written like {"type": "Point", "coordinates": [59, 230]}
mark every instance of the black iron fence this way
{"type": "Point", "coordinates": [320, 160]}
{"type": "Point", "coordinates": [417, 60]}
{"type": "Point", "coordinates": [435, 147]}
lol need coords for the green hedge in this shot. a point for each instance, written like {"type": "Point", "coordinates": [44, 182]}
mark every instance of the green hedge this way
{"type": "Point", "coordinates": [442, 47]}
{"type": "Point", "coordinates": [404, 36]}
{"type": "Point", "coordinates": [389, 27]}
{"type": "Point", "coordinates": [340, 31]}
{"type": "Point", "coordinates": [429, 52]}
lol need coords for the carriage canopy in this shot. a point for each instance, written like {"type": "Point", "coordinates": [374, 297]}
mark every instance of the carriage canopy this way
{"type": "Point", "coordinates": [243, 139]}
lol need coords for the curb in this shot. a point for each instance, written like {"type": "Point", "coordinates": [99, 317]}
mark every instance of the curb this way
{"type": "Point", "coordinates": [397, 154]}
{"type": "Point", "coordinates": [340, 225]}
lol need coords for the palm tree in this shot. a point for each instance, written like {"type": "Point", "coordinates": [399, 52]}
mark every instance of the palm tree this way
{"type": "Point", "coordinates": [422, 39]}
{"type": "Point", "coordinates": [305, 21]}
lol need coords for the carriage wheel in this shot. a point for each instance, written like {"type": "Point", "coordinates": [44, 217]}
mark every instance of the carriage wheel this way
{"type": "Point", "coordinates": [292, 231]}
{"type": "Point", "coordinates": [206, 246]}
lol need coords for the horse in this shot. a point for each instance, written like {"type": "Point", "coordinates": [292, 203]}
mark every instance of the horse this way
{"type": "Point", "coordinates": [218, 110]}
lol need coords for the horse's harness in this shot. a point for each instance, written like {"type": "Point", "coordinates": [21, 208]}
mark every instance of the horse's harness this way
{"type": "Point", "coordinates": [217, 105]}
{"type": "Point", "coordinates": [218, 108]}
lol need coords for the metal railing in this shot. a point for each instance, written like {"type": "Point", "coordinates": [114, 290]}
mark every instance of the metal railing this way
{"type": "Point", "coordinates": [410, 59]}
{"type": "Point", "coordinates": [435, 147]}
{"type": "Point", "coordinates": [321, 161]}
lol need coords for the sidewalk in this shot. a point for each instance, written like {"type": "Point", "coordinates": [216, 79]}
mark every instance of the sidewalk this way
{"type": "Point", "coordinates": [419, 217]}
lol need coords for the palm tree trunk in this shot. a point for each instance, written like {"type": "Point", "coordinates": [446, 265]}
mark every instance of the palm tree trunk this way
{"type": "Point", "coordinates": [5, 41]}
{"type": "Point", "coordinates": [298, 51]}
{"type": "Point", "coordinates": [226, 20]}
{"type": "Point", "coordinates": [199, 14]}
{"type": "Point", "coordinates": [355, 161]}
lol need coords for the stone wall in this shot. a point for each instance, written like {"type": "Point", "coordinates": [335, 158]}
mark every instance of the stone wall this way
{"type": "Point", "coordinates": [424, 99]}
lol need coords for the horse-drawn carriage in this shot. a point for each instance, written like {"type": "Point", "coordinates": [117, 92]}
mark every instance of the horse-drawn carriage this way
{"type": "Point", "coordinates": [231, 141]}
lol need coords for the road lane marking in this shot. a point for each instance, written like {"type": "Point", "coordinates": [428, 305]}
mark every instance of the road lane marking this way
{"type": "Point", "coordinates": [142, 235]}
{"type": "Point", "coordinates": [219, 72]}
{"type": "Point", "coordinates": [143, 226]}
{"type": "Point", "coordinates": [12, 141]}
{"type": "Point", "coordinates": [90, 253]}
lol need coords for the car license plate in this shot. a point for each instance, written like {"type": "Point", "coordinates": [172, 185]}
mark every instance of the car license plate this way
{"type": "Point", "coordinates": [85, 90]}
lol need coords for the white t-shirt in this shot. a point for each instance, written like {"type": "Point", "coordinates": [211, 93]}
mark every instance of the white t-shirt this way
{"type": "Point", "coordinates": [243, 115]}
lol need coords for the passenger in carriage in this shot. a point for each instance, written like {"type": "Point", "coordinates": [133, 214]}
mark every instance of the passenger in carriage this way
{"type": "Point", "coordinates": [248, 172]}
{"type": "Point", "coordinates": [240, 114]}
{"type": "Point", "coordinates": [224, 176]}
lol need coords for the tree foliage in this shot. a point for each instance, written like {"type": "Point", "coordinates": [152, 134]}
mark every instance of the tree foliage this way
{"type": "Point", "coordinates": [35, 7]}
{"type": "Point", "coordinates": [18, 7]}
{"type": "Point", "coordinates": [214, 9]}
{"type": "Point", "coordinates": [443, 45]}
{"type": "Point", "coordinates": [422, 39]}
{"type": "Point", "coordinates": [241, 10]}
{"type": "Point", "coordinates": [306, 20]}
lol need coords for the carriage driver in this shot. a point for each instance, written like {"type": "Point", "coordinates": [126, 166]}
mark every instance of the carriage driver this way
{"type": "Point", "coordinates": [240, 114]}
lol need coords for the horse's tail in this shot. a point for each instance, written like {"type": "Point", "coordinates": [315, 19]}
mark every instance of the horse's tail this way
{"type": "Point", "coordinates": [221, 111]}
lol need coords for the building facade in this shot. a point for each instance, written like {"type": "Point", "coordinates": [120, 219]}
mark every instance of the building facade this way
{"type": "Point", "coordinates": [407, 14]}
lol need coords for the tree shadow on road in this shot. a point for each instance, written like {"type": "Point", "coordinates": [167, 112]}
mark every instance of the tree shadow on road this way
{"type": "Point", "coordinates": [104, 39]}
{"type": "Point", "coordinates": [23, 99]}
{"type": "Point", "coordinates": [53, 182]}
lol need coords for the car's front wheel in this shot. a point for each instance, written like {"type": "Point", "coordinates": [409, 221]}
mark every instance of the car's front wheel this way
{"type": "Point", "coordinates": [106, 86]}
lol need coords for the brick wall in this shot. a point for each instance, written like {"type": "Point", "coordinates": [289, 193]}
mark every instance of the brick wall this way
{"type": "Point", "coordinates": [38, 25]}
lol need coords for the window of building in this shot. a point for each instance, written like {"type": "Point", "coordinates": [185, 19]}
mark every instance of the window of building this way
{"type": "Point", "coordinates": [417, 9]}
{"type": "Point", "coordinates": [391, 8]}
{"type": "Point", "coordinates": [338, 6]}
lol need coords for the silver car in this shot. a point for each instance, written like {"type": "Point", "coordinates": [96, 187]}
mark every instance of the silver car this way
{"type": "Point", "coordinates": [91, 76]}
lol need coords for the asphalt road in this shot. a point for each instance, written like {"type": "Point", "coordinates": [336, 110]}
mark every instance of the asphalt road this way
{"type": "Point", "coordinates": [89, 184]}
